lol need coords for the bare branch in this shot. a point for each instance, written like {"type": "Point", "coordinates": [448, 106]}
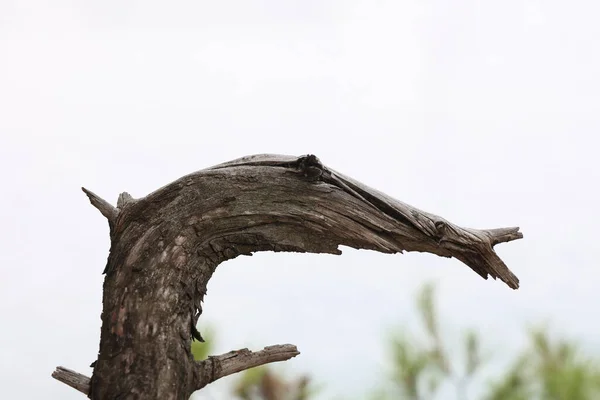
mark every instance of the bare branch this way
{"type": "Point", "coordinates": [102, 205]}
{"type": "Point", "coordinates": [166, 246]}
{"type": "Point", "coordinates": [124, 198]}
{"type": "Point", "coordinates": [285, 203]}
{"type": "Point", "coordinates": [73, 379]}
{"type": "Point", "coordinates": [208, 371]}
{"type": "Point", "coordinates": [217, 367]}
{"type": "Point", "coordinates": [502, 235]}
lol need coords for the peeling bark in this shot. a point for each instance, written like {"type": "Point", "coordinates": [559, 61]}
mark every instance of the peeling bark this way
{"type": "Point", "coordinates": [166, 246]}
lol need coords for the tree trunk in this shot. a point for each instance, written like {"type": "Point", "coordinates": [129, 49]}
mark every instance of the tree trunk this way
{"type": "Point", "coordinates": [166, 246]}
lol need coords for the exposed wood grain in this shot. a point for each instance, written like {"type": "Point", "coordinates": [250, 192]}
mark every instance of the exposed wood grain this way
{"type": "Point", "coordinates": [410, 229]}
{"type": "Point", "coordinates": [166, 246]}
{"type": "Point", "coordinates": [74, 379]}
{"type": "Point", "coordinates": [217, 367]}
{"type": "Point", "coordinates": [109, 212]}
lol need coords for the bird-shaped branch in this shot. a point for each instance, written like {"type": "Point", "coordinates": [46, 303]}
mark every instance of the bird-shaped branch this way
{"type": "Point", "coordinates": [166, 246]}
{"type": "Point", "coordinates": [285, 203]}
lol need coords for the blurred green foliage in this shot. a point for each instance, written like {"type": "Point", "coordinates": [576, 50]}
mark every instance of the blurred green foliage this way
{"type": "Point", "coordinates": [260, 383]}
{"type": "Point", "coordinates": [422, 368]}
{"type": "Point", "coordinates": [547, 370]}
{"type": "Point", "coordinates": [263, 383]}
{"type": "Point", "coordinates": [201, 350]}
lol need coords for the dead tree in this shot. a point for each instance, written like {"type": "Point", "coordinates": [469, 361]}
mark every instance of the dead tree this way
{"type": "Point", "coordinates": [166, 246]}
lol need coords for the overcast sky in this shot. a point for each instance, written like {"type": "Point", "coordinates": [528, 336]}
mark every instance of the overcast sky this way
{"type": "Point", "coordinates": [486, 113]}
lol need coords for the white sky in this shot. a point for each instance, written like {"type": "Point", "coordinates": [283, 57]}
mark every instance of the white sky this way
{"type": "Point", "coordinates": [485, 113]}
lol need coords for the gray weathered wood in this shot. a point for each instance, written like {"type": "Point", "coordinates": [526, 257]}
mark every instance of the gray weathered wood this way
{"type": "Point", "coordinates": [102, 205]}
{"type": "Point", "coordinates": [74, 379]}
{"type": "Point", "coordinates": [217, 367]}
{"type": "Point", "coordinates": [165, 247]}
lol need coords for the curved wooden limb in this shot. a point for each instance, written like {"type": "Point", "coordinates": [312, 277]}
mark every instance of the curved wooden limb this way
{"type": "Point", "coordinates": [246, 203]}
{"type": "Point", "coordinates": [166, 246]}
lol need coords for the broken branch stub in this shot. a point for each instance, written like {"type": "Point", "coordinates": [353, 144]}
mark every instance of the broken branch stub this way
{"type": "Point", "coordinates": [165, 247]}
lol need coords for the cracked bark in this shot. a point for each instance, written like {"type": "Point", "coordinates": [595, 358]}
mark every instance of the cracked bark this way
{"type": "Point", "coordinates": [166, 246]}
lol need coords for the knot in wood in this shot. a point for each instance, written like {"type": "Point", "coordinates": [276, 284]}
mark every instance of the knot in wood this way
{"type": "Point", "coordinates": [310, 166]}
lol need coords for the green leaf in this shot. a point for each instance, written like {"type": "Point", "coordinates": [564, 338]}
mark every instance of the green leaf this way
{"type": "Point", "coordinates": [473, 358]}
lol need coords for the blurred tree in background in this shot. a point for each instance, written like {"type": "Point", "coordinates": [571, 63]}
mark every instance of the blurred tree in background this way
{"type": "Point", "coordinates": [263, 383]}
{"type": "Point", "coordinates": [422, 369]}
{"type": "Point", "coordinates": [547, 370]}
{"type": "Point", "coordinates": [553, 370]}
{"type": "Point", "coordinates": [201, 350]}
{"type": "Point", "coordinates": [260, 383]}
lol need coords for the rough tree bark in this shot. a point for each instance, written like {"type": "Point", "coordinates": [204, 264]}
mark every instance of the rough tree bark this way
{"type": "Point", "coordinates": [166, 246]}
